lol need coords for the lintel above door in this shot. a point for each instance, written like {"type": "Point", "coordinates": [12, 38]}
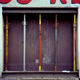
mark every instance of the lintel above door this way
{"type": "Point", "coordinates": [39, 10]}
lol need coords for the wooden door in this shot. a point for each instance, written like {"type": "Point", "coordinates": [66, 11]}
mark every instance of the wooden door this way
{"type": "Point", "coordinates": [47, 42]}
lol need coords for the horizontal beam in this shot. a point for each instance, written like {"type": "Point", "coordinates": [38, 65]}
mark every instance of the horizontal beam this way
{"type": "Point", "coordinates": [39, 10]}
{"type": "Point", "coordinates": [40, 72]}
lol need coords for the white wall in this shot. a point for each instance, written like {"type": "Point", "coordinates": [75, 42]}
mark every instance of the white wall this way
{"type": "Point", "coordinates": [1, 41]}
{"type": "Point", "coordinates": [78, 41]}
{"type": "Point", "coordinates": [41, 4]}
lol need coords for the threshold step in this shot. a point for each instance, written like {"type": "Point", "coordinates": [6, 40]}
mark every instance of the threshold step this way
{"type": "Point", "coordinates": [40, 78]}
{"type": "Point", "coordinates": [36, 74]}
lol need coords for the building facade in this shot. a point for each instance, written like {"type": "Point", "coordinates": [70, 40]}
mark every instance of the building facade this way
{"type": "Point", "coordinates": [42, 35]}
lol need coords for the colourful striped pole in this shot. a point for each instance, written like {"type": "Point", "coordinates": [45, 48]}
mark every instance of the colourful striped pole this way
{"type": "Point", "coordinates": [74, 26]}
{"type": "Point", "coordinates": [39, 42]}
{"type": "Point", "coordinates": [55, 42]}
{"type": "Point", "coordinates": [7, 27]}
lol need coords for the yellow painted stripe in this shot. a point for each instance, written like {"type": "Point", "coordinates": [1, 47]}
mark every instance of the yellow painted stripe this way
{"type": "Point", "coordinates": [74, 42]}
{"type": "Point", "coordinates": [74, 65]}
{"type": "Point", "coordinates": [39, 18]}
{"type": "Point", "coordinates": [55, 68]}
{"type": "Point", "coordinates": [74, 18]}
{"type": "Point", "coordinates": [6, 65]}
{"type": "Point", "coordinates": [39, 68]}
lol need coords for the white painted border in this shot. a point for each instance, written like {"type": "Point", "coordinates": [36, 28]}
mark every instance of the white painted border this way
{"type": "Point", "coordinates": [1, 42]}
{"type": "Point", "coordinates": [41, 4]}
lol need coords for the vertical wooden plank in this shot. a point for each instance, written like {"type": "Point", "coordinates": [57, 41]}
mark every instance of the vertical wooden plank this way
{"type": "Point", "coordinates": [65, 42]}
{"type": "Point", "coordinates": [15, 43]}
{"type": "Point", "coordinates": [32, 42]}
{"type": "Point", "coordinates": [55, 42]}
{"type": "Point", "coordinates": [74, 26]}
{"type": "Point", "coordinates": [39, 42]}
{"type": "Point", "coordinates": [47, 42]}
{"type": "Point", "coordinates": [6, 61]}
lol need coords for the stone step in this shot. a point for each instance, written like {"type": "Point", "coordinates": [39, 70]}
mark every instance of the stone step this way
{"type": "Point", "coordinates": [39, 78]}
{"type": "Point", "coordinates": [40, 75]}
{"type": "Point", "coordinates": [33, 74]}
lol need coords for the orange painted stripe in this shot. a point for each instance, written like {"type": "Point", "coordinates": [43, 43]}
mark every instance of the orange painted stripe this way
{"type": "Point", "coordinates": [55, 20]}
{"type": "Point", "coordinates": [73, 49]}
{"type": "Point", "coordinates": [39, 45]}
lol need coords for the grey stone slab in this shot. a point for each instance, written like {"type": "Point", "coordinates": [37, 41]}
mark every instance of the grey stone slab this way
{"type": "Point", "coordinates": [24, 78]}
